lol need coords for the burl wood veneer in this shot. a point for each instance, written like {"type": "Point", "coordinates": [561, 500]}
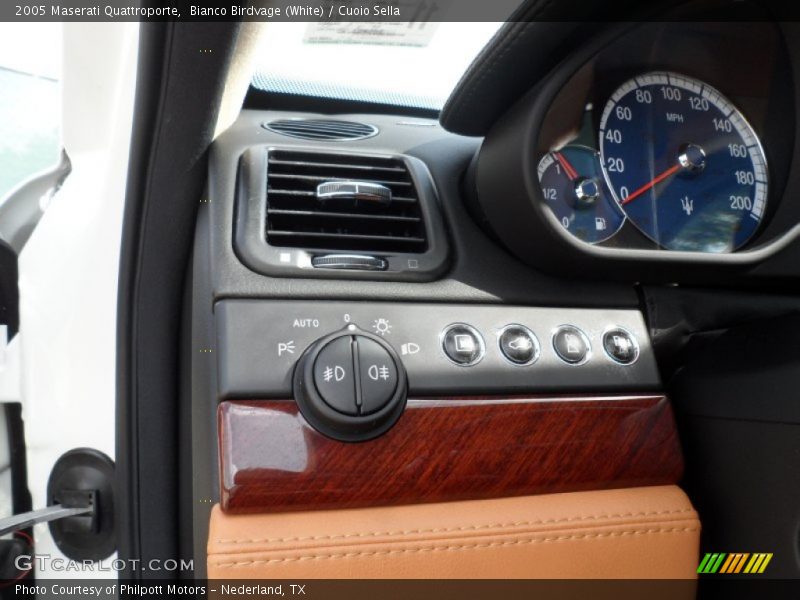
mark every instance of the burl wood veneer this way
{"type": "Point", "coordinates": [446, 449]}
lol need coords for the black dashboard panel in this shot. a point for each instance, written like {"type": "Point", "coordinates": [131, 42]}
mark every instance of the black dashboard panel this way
{"type": "Point", "coordinates": [542, 34]}
{"type": "Point", "coordinates": [259, 343]}
{"type": "Point", "coordinates": [479, 269]}
{"type": "Point", "coordinates": [480, 277]}
{"type": "Point", "coordinates": [397, 236]}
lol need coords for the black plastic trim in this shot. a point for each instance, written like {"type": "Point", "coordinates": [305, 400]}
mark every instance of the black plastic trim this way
{"type": "Point", "coordinates": [541, 32]}
{"type": "Point", "coordinates": [251, 217]}
{"type": "Point", "coordinates": [9, 289]}
{"type": "Point", "coordinates": [263, 100]}
{"type": "Point", "coordinates": [174, 121]}
{"type": "Point", "coordinates": [87, 472]}
{"type": "Point", "coordinates": [481, 270]}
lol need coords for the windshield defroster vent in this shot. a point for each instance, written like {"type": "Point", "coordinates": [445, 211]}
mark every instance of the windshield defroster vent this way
{"type": "Point", "coordinates": [322, 129]}
{"type": "Point", "coordinates": [342, 202]}
{"type": "Point", "coordinates": [309, 213]}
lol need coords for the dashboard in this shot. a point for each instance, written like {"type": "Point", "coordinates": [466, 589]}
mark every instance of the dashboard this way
{"type": "Point", "coordinates": [387, 296]}
{"type": "Point", "coordinates": [413, 330]}
{"type": "Point", "coordinates": [659, 151]}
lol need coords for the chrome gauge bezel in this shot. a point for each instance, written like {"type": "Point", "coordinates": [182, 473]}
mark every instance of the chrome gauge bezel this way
{"type": "Point", "coordinates": [737, 119]}
{"type": "Point", "coordinates": [549, 159]}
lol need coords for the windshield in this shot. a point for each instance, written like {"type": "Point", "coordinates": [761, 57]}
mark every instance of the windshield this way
{"type": "Point", "coordinates": [404, 64]}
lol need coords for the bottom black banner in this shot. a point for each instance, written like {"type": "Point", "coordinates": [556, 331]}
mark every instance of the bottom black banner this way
{"type": "Point", "coordinates": [79, 589]}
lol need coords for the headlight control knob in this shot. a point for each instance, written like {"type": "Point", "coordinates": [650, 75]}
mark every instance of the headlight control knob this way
{"type": "Point", "coordinates": [351, 385]}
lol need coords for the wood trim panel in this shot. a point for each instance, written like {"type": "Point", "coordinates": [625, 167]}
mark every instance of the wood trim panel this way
{"type": "Point", "coordinates": [445, 450]}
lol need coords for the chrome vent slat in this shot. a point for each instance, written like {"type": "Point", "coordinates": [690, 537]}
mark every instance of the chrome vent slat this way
{"type": "Point", "coordinates": [350, 236]}
{"type": "Point", "coordinates": [312, 194]}
{"type": "Point", "coordinates": [335, 215]}
{"type": "Point", "coordinates": [323, 178]}
{"type": "Point", "coordinates": [321, 129]}
{"type": "Point", "coordinates": [351, 166]}
{"type": "Point", "coordinates": [275, 191]}
{"type": "Point", "coordinates": [297, 217]}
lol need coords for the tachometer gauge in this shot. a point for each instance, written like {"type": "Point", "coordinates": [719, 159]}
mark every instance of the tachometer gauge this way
{"type": "Point", "coordinates": [574, 189]}
{"type": "Point", "coordinates": [683, 163]}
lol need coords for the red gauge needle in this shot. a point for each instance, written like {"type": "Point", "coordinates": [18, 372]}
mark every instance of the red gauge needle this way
{"type": "Point", "coordinates": [647, 186]}
{"type": "Point", "coordinates": [568, 168]}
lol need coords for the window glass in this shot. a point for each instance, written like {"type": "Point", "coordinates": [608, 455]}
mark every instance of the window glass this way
{"type": "Point", "coordinates": [30, 66]}
{"type": "Point", "coordinates": [406, 64]}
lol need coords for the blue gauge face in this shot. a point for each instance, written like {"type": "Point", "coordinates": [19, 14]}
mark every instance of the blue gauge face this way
{"type": "Point", "coordinates": [683, 164]}
{"type": "Point", "coordinates": [575, 190]}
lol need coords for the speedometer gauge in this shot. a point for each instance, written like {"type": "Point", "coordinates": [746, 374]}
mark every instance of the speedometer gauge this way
{"type": "Point", "coordinates": [683, 163]}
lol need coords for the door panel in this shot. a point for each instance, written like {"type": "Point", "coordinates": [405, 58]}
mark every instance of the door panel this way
{"type": "Point", "coordinates": [649, 532]}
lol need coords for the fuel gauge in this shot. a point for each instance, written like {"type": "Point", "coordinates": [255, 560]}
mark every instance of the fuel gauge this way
{"type": "Point", "coordinates": [575, 190]}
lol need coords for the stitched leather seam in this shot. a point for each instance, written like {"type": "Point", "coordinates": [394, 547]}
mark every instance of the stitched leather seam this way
{"type": "Point", "coordinates": [454, 529]}
{"type": "Point", "coordinates": [588, 536]}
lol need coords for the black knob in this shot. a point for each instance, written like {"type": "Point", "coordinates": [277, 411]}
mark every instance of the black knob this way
{"type": "Point", "coordinates": [351, 385]}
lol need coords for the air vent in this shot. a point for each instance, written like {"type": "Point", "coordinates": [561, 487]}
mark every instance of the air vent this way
{"type": "Point", "coordinates": [342, 202]}
{"type": "Point", "coordinates": [322, 129]}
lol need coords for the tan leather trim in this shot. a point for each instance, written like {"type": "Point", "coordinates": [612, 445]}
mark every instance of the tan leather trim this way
{"type": "Point", "coordinates": [648, 532]}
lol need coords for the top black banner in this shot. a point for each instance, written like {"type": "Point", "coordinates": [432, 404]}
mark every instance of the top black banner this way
{"type": "Point", "coordinates": [423, 11]}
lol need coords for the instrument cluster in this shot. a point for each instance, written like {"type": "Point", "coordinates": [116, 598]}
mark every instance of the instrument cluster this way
{"type": "Point", "coordinates": [676, 159]}
{"type": "Point", "coordinates": [658, 151]}
{"type": "Point", "coordinates": [674, 137]}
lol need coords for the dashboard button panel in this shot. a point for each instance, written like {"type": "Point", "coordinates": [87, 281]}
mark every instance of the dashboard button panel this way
{"type": "Point", "coordinates": [260, 341]}
{"type": "Point", "coordinates": [571, 345]}
{"type": "Point", "coordinates": [463, 345]}
{"type": "Point", "coordinates": [377, 375]}
{"type": "Point", "coordinates": [621, 346]}
{"type": "Point", "coordinates": [519, 345]}
{"type": "Point", "coordinates": [334, 378]}
{"type": "Point", "coordinates": [350, 385]}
